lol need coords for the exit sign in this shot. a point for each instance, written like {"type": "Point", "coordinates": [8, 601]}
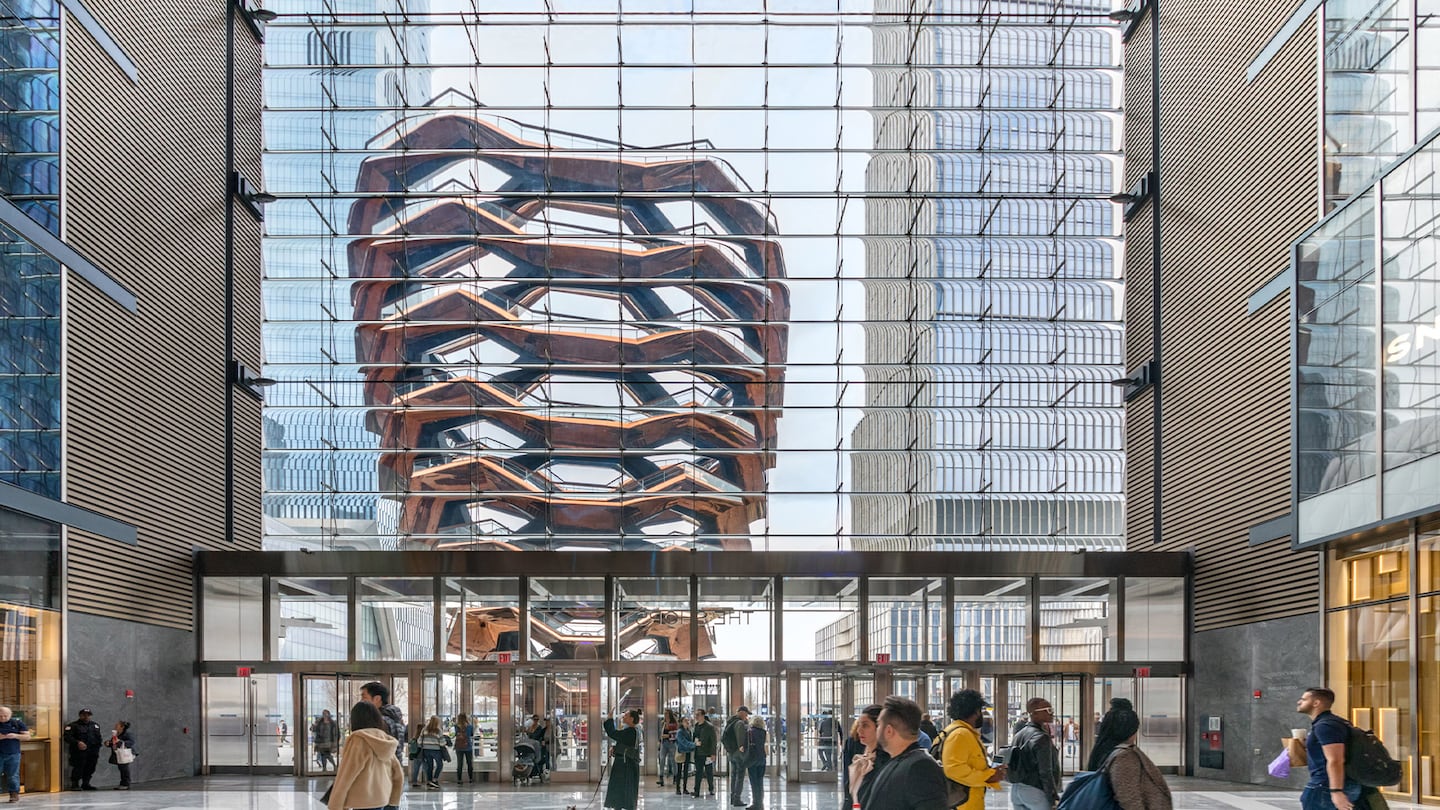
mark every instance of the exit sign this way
{"type": "Point", "coordinates": [1142, 672]}
{"type": "Point", "coordinates": [504, 657]}
{"type": "Point", "coordinates": [882, 658]}
{"type": "Point", "coordinates": [243, 672]}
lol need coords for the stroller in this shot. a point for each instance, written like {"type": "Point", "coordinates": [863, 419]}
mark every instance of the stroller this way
{"type": "Point", "coordinates": [529, 763]}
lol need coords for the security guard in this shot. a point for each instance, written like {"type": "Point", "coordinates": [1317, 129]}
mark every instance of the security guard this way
{"type": "Point", "coordinates": [82, 738]}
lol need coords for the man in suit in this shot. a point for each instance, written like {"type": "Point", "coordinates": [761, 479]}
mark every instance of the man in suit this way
{"type": "Point", "coordinates": [912, 779]}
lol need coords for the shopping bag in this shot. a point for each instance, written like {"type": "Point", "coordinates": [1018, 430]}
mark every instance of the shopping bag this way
{"type": "Point", "coordinates": [1296, 749]}
{"type": "Point", "coordinates": [1280, 766]}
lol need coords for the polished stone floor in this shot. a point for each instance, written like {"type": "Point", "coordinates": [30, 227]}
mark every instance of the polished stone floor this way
{"type": "Point", "coordinates": [283, 793]}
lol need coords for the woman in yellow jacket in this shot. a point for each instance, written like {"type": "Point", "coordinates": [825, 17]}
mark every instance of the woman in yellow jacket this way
{"type": "Point", "coordinates": [963, 756]}
{"type": "Point", "coordinates": [369, 776]}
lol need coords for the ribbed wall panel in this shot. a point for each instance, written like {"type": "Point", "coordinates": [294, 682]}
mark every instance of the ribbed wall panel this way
{"type": "Point", "coordinates": [1239, 183]}
{"type": "Point", "coordinates": [145, 197]}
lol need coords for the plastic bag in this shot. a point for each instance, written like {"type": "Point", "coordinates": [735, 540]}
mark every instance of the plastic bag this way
{"type": "Point", "coordinates": [1280, 766]}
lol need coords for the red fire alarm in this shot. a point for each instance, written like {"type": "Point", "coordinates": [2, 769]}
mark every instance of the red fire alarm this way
{"type": "Point", "coordinates": [1257, 694]}
{"type": "Point", "coordinates": [129, 693]}
{"type": "Point", "coordinates": [243, 672]}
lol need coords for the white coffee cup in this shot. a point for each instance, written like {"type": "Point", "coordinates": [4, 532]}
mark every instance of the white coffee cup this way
{"type": "Point", "coordinates": [1297, 733]}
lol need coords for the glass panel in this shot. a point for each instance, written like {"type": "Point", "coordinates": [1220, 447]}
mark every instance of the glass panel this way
{"type": "Point", "coordinates": [1336, 389]}
{"type": "Point", "coordinates": [1154, 619]}
{"type": "Point", "coordinates": [1411, 316]}
{"type": "Point", "coordinates": [567, 619]}
{"type": "Point", "coordinates": [30, 668]}
{"type": "Point", "coordinates": [822, 726]}
{"type": "Point", "coordinates": [1429, 708]}
{"type": "Point", "coordinates": [1371, 573]}
{"type": "Point", "coordinates": [307, 619]}
{"type": "Point", "coordinates": [323, 723]}
{"type": "Point", "coordinates": [31, 548]}
{"type": "Point", "coordinates": [1077, 619]}
{"type": "Point", "coordinates": [1368, 98]}
{"type": "Point", "coordinates": [1064, 697]}
{"type": "Point", "coordinates": [397, 619]}
{"type": "Point", "coordinates": [992, 619]}
{"type": "Point", "coordinates": [1158, 702]}
{"type": "Point", "coordinates": [1370, 661]}
{"type": "Point", "coordinates": [652, 620]}
{"type": "Point", "coordinates": [821, 622]}
{"type": "Point", "coordinates": [1429, 557]}
{"type": "Point", "coordinates": [485, 716]}
{"type": "Point", "coordinates": [273, 701]}
{"type": "Point", "coordinates": [482, 619]}
{"type": "Point", "coordinates": [907, 618]}
{"type": "Point", "coordinates": [740, 617]}
{"type": "Point", "coordinates": [556, 710]}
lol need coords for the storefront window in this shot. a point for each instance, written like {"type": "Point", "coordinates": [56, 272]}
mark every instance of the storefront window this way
{"type": "Point", "coordinates": [740, 615]}
{"type": "Point", "coordinates": [821, 621]}
{"type": "Point", "coordinates": [1370, 660]}
{"type": "Point", "coordinates": [1429, 753]}
{"type": "Point", "coordinates": [1429, 557]}
{"type": "Point", "coordinates": [482, 619]}
{"type": "Point", "coordinates": [397, 619]}
{"type": "Point", "coordinates": [1078, 619]}
{"type": "Point", "coordinates": [308, 619]}
{"type": "Point", "coordinates": [1370, 573]}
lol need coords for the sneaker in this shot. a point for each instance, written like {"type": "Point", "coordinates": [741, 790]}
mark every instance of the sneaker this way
{"type": "Point", "coordinates": [88, 787]}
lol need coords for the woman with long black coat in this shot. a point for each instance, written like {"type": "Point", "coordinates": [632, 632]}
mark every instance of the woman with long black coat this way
{"type": "Point", "coordinates": [623, 792]}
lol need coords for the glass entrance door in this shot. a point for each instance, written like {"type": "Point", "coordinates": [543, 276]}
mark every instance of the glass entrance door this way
{"type": "Point", "coordinates": [322, 726]}
{"type": "Point", "coordinates": [1065, 694]}
{"type": "Point", "coordinates": [248, 724]}
{"type": "Point", "coordinates": [560, 705]}
{"type": "Point", "coordinates": [816, 728]}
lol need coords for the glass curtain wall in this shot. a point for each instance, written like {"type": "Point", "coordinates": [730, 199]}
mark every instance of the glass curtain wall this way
{"type": "Point", "coordinates": [29, 279]}
{"type": "Point", "coordinates": [816, 274]}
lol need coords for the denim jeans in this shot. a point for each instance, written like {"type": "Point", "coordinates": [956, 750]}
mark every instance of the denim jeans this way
{"type": "Point", "coordinates": [463, 760]}
{"type": "Point", "coordinates": [10, 772]}
{"type": "Point", "coordinates": [1317, 797]}
{"type": "Point", "coordinates": [737, 779]}
{"type": "Point", "coordinates": [757, 786]}
{"type": "Point", "coordinates": [1029, 797]}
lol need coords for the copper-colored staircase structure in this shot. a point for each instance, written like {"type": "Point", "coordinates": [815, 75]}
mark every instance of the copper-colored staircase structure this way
{"type": "Point", "coordinates": [564, 348]}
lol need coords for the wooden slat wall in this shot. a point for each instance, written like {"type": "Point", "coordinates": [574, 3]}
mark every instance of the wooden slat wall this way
{"type": "Point", "coordinates": [145, 196]}
{"type": "Point", "coordinates": [1239, 176]}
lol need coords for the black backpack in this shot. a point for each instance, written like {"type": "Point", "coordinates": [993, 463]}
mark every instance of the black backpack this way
{"type": "Point", "coordinates": [730, 739]}
{"type": "Point", "coordinates": [1367, 761]}
{"type": "Point", "coordinates": [956, 794]}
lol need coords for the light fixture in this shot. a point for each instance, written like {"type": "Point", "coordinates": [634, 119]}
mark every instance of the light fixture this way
{"type": "Point", "coordinates": [1123, 15]}
{"type": "Point", "coordinates": [254, 199]}
{"type": "Point", "coordinates": [243, 378]}
{"type": "Point", "coordinates": [1138, 380]}
{"type": "Point", "coordinates": [1124, 198]}
{"type": "Point", "coordinates": [255, 18]}
{"type": "Point", "coordinates": [1135, 196]}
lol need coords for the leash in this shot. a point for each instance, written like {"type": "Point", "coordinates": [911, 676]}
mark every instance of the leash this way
{"type": "Point", "coordinates": [604, 766]}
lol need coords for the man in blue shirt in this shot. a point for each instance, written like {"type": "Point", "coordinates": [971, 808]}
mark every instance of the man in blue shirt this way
{"type": "Point", "coordinates": [12, 731]}
{"type": "Point", "coordinates": [1328, 789]}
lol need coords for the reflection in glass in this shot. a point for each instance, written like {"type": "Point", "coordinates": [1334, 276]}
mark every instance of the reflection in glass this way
{"type": "Point", "coordinates": [1078, 619]}
{"type": "Point", "coordinates": [308, 619]}
{"type": "Point", "coordinates": [907, 618]}
{"type": "Point", "coordinates": [1154, 619]}
{"type": "Point", "coordinates": [1429, 708]}
{"type": "Point", "coordinates": [397, 619]}
{"type": "Point", "coordinates": [740, 613]}
{"type": "Point", "coordinates": [653, 622]}
{"type": "Point", "coordinates": [992, 619]}
{"type": "Point", "coordinates": [1368, 97]}
{"type": "Point", "coordinates": [482, 618]}
{"type": "Point", "coordinates": [567, 619]}
{"type": "Point", "coordinates": [231, 607]}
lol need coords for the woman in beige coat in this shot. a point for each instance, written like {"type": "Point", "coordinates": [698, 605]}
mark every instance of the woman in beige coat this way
{"type": "Point", "coordinates": [369, 776]}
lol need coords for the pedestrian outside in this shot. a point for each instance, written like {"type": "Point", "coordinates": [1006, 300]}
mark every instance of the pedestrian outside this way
{"type": "Point", "coordinates": [325, 736]}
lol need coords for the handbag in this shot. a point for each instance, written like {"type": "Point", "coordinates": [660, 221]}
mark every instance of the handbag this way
{"type": "Point", "coordinates": [444, 754]}
{"type": "Point", "coordinates": [124, 755]}
{"type": "Point", "coordinates": [679, 757]}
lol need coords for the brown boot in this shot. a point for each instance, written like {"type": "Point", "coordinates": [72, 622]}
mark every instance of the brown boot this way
{"type": "Point", "coordinates": [14, 797]}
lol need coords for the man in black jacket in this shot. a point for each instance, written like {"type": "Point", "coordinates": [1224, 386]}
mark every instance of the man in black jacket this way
{"type": "Point", "coordinates": [706, 741]}
{"type": "Point", "coordinates": [1035, 761]}
{"type": "Point", "coordinates": [912, 779]}
{"type": "Point", "coordinates": [83, 739]}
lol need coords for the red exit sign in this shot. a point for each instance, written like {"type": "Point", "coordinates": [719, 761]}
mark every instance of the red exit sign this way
{"type": "Point", "coordinates": [243, 672]}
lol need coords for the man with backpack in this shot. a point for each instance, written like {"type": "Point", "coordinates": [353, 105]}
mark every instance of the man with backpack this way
{"type": "Point", "coordinates": [733, 740]}
{"type": "Point", "coordinates": [1346, 764]}
{"type": "Point", "coordinates": [1034, 771]}
{"type": "Point", "coordinates": [962, 755]}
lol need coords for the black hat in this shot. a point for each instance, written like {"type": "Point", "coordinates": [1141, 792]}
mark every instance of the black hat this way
{"type": "Point", "coordinates": [742, 709]}
{"type": "Point", "coordinates": [86, 711]}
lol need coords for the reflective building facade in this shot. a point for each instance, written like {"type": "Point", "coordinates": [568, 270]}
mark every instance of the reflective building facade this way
{"type": "Point", "coordinates": [696, 276]}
